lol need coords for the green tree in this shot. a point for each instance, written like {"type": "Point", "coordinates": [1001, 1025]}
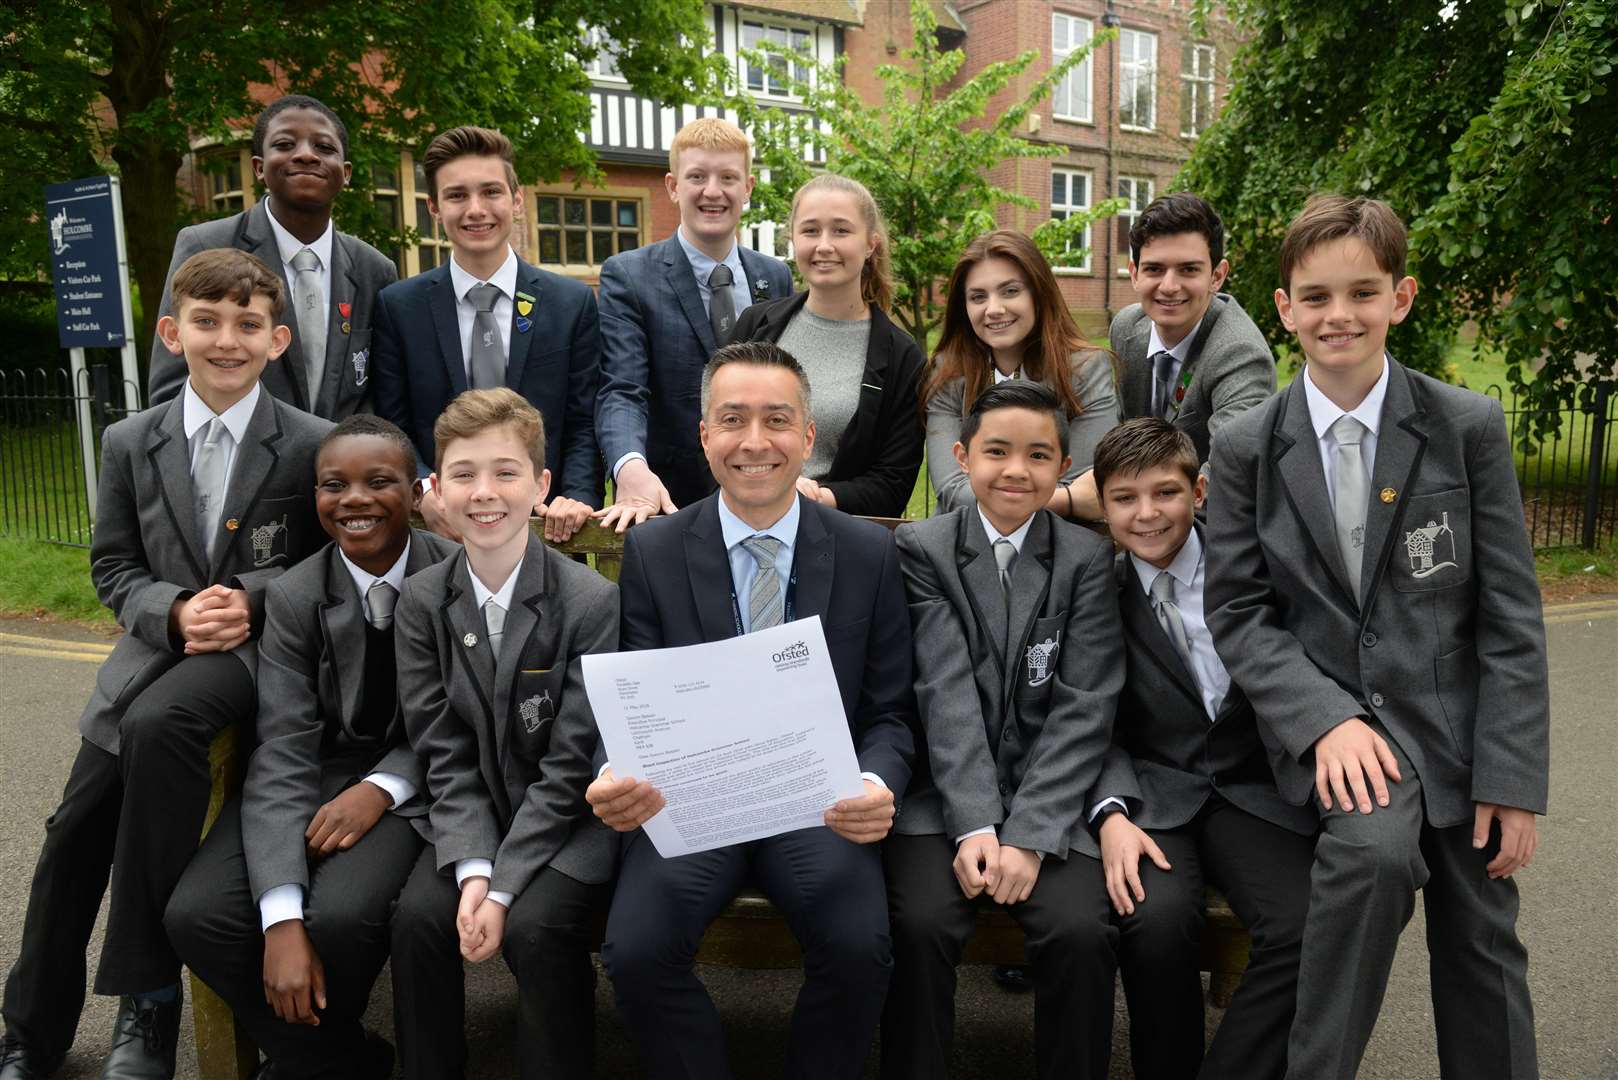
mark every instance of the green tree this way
{"type": "Point", "coordinates": [1488, 127]}
{"type": "Point", "coordinates": [926, 152]}
{"type": "Point", "coordinates": [395, 70]}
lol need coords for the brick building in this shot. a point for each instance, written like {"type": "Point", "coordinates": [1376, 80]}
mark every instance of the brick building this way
{"type": "Point", "coordinates": [1125, 120]}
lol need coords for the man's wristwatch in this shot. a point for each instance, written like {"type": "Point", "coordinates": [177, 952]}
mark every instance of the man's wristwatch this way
{"type": "Point", "coordinates": [1101, 818]}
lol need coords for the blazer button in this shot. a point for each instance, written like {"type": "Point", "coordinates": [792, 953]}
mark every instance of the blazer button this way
{"type": "Point", "coordinates": [1377, 700]}
{"type": "Point", "coordinates": [1368, 639]}
{"type": "Point", "coordinates": [1005, 788]}
{"type": "Point", "coordinates": [1008, 735]}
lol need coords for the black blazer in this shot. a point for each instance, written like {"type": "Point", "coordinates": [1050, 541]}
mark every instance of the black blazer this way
{"type": "Point", "coordinates": [880, 452]}
{"type": "Point", "coordinates": [675, 590]}
{"type": "Point", "coordinates": [555, 364]}
{"type": "Point", "coordinates": [1166, 757]}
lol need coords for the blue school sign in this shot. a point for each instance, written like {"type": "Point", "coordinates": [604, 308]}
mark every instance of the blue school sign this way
{"type": "Point", "coordinates": [84, 219]}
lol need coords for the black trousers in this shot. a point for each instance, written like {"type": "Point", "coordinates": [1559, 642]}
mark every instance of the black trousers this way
{"type": "Point", "coordinates": [1263, 870]}
{"type": "Point", "coordinates": [830, 892]}
{"type": "Point", "coordinates": [1070, 943]}
{"type": "Point", "coordinates": [133, 817]}
{"type": "Point", "coordinates": [213, 921]}
{"type": "Point", "coordinates": [546, 945]}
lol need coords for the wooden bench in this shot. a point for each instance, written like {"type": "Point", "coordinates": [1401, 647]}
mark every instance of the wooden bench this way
{"type": "Point", "coordinates": [747, 934]}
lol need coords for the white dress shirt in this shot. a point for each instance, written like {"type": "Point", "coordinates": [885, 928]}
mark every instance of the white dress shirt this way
{"type": "Point", "coordinates": [1323, 413]}
{"type": "Point", "coordinates": [1015, 538]}
{"type": "Point", "coordinates": [466, 868]}
{"type": "Point", "coordinates": [504, 279]}
{"type": "Point", "coordinates": [196, 414]}
{"type": "Point", "coordinates": [285, 902]}
{"type": "Point", "coordinates": [1154, 345]}
{"type": "Point", "coordinates": [289, 246]}
{"type": "Point", "coordinates": [1000, 376]}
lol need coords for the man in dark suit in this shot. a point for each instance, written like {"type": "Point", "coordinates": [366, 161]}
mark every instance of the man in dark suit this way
{"type": "Point", "coordinates": [284, 910]}
{"type": "Point", "coordinates": [300, 153]}
{"type": "Point", "coordinates": [202, 503]}
{"type": "Point", "coordinates": [780, 557]}
{"type": "Point", "coordinates": [486, 319]}
{"type": "Point", "coordinates": [1187, 796]}
{"type": "Point", "coordinates": [661, 321]}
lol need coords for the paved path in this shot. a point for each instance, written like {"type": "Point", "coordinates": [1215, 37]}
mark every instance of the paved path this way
{"type": "Point", "coordinates": [1570, 895]}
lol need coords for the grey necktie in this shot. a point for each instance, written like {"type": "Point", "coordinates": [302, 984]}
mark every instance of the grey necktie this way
{"type": "Point", "coordinates": [494, 621]}
{"type": "Point", "coordinates": [721, 304]}
{"type": "Point", "coordinates": [1351, 495]}
{"type": "Point", "coordinates": [1162, 390]}
{"type": "Point", "coordinates": [380, 598]}
{"type": "Point", "coordinates": [1005, 553]}
{"type": "Point", "coordinates": [765, 604]}
{"type": "Point", "coordinates": [488, 355]}
{"type": "Point", "coordinates": [208, 479]}
{"type": "Point", "coordinates": [1168, 617]}
{"type": "Point", "coordinates": [311, 305]}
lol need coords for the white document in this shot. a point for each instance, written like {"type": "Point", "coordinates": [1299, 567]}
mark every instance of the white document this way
{"type": "Point", "coordinates": [745, 738]}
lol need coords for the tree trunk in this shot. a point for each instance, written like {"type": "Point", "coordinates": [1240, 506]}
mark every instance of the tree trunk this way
{"type": "Point", "coordinates": [147, 152]}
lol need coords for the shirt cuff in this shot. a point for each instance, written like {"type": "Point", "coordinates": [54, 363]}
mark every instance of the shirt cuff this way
{"type": "Point", "coordinates": [279, 904]}
{"type": "Point", "coordinates": [504, 899]}
{"type": "Point", "coordinates": [397, 787]}
{"type": "Point", "coordinates": [875, 779]}
{"type": "Point", "coordinates": [626, 459]}
{"type": "Point", "coordinates": [1110, 800]}
{"type": "Point", "coordinates": [965, 836]}
{"type": "Point", "coordinates": [472, 868]}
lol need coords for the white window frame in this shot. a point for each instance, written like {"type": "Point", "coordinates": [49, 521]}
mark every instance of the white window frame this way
{"type": "Point", "coordinates": [786, 30]}
{"type": "Point", "coordinates": [1079, 33]}
{"type": "Point", "coordinates": [1133, 70]}
{"type": "Point", "coordinates": [1201, 75]}
{"type": "Point", "coordinates": [1063, 209]}
{"type": "Point", "coordinates": [1137, 203]}
{"type": "Point", "coordinates": [603, 67]}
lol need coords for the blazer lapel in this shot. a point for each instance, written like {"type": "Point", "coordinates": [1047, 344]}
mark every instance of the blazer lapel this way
{"type": "Point", "coordinates": [756, 268]}
{"type": "Point", "coordinates": [1203, 330]}
{"type": "Point", "coordinates": [1138, 371]}
{"type": "Point", "coordinates": [170, 455]}
{"type": "Point", "coordinates": [1401, 442]}
{"type": "Point", "coordinates": [260, 241]}
{"type": "Point", "coordinates": [527, 282]}
{"type": "Point", "coordinates": [342, 620]}
{"type": "Point", "coordinates": [527, 598]}
{"type": "Point", "coordinates": [974, 561]}
{"type": "Point", "coordinates": [683, 280]}
{"type": "Point", "coordinates": [708, 570]}
{"type": "Point", "coordinates": [1141, 621]}
{"type": "Point", "coordinates": [874, 379]}
{"type": "Point", "coordinates": [814, 558]}
{"type": "Point", "coordinates": [465, 623]}
{"type": "Point", "coordinates": [1296, 453]}
{"type": "Point", "coordinates": [441, 302]}
{"type": "Point", "coordinates": [254, 460]}
{"type": "Point", "coordinates": [343, 290]}
{"type": "Point", "coordinates": [1030, 582]}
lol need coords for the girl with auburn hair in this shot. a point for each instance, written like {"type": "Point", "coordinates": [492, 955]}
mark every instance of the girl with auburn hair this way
{"type": "Point", "coordinates": [864, 371]}
{"type": "Point", "coordinates": [1005, 319]}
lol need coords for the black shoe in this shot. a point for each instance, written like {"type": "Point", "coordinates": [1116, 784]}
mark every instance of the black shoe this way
{"type": "Point", "coordinates": [17, 1062]}
{"type": "Point", "coordinates": [373, 1060]}
{"type": "Point", "coordinates": [1014, 978]}
{"type": "Point", "coordinates": [143, 1041]}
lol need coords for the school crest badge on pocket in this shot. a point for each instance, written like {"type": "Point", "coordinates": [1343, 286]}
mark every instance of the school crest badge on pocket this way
{"type": "Point", "coordinates": [536, 710]}
{"type": "Point", "coordinates": [362, 364]}
{"type": "Point", "coordinates": [269, 541]}
{"type": "Point", "coordinates": [1431, 548]}
{"type": "Point", "coordinates": [1040, 659]}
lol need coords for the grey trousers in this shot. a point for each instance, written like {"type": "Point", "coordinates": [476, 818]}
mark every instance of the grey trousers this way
{"type": "Point", "coordinates": [1367, 870]}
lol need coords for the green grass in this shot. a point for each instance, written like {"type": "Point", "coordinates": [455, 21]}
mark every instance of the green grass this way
{"type": "Point", "coordinates": [42, 484]}
{"type": "Point", "coordinates": [38, 578]}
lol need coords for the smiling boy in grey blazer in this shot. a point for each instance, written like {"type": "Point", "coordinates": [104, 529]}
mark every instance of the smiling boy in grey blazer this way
{"type": "Point", "coordinates": [1019, 663]}
{"type": "Point", "coordinates": [202, 503]}
{"type": "Point", "coordinates": [1371, 587]}
{"type": "Point", "coordinates": [489, 648]}
{"type": "Point", "coordinates": [284, 911]}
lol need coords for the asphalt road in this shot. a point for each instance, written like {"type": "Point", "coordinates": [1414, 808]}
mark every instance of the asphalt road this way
{"type": "Point", "coordinates": [1569, 910]}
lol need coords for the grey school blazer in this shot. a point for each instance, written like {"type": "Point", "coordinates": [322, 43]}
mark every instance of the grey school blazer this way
{"type": "Point", "coordinates": [1445, 644]}
{"type": "Point", "coordinates": [508, 748]}
{"type": "Point", "coordinates": [146, 553]}
{"type": "Point", "coordinates": [358, 273]}
{"type": "Point", "coordinates": [1232, 368]}
{"type": "Point", "coordinates": [1017, 721]}
{"type": "Point", "coordinates": [311, 666]}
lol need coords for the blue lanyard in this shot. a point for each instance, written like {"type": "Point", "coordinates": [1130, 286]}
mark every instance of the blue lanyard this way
{"type": "Point", "coordinates": [786, 616]}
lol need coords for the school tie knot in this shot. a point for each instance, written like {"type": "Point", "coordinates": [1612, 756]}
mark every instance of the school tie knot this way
{"type": "Point", "coordinates": [379, 599]}
{"type": "Point", "coordinates": [1168, 616]}
{"type": "Point", "coordinates": [1351, 489]}
{"type": "Point", "coordinates": [209, 477]}
{"type": "Point", "coordinates": [310, 305]}
{"type": "Point", "coordinates": [483, 296]}
{"type": "Point", "coordinates": [765, 604]}
{"type": "Point", "coordinates": [721, 303]}
{"type": "Point", "coordinates": [1162, 374]}
{"type": "Point", "coordinates": [1348, 430]}
{"type": "Point", "coordinates": [494, 621]}
{"type": "Point", "coordinates": [1005, 553]}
